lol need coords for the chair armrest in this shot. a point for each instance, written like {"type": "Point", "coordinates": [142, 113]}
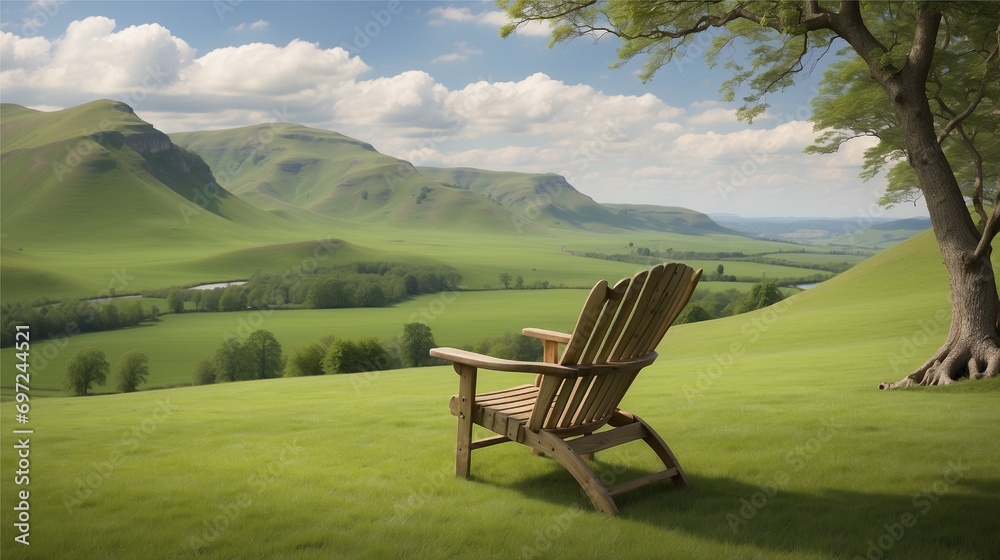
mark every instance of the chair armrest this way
{"type": "Point", "coordinates": [543, 334]}
{"type": "Point", "coordinates": [499, 364]}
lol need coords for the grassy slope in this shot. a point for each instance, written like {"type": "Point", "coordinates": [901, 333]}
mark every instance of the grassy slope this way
{"type": "Point", "coordinates": [288, 166]}
{"type": "Point", "coordinates": [774, 415]}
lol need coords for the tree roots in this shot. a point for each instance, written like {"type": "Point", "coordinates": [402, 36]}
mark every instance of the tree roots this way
{"type": "Point", "coordinates": [954, 361]}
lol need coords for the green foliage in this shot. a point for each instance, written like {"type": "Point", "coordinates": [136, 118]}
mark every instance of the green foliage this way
{"type": "Point", "coordinates": [761, 295]}
{"type": "Point", "coordinates": [86, 367]}
{"type": "Point", "coordinates": [306, 360]}
{"type": "Point", "coordinates": [414, 345]}
{"type": "Point", "coordinates": [263, 355]}
{"type": "Point", "coordinates": [231, 361]}
{"type": "Point", "coordinates": [505, 279]}
{"type": "Point", "coordinates": [204, 372]}
{"type": "Point", "coordinates": [234, 298]}
{"type": "Point", "coordinates": [511, 346]}
{"type": "Point", "coordinates": [329, 294]}
{"type": "Point", "coordinates": [348, 356]}
{"type": "Point", "coordinates": [371, 296]}
{"type": "Point", "coordinates": [131, 370]}
{"type": "Point", "coordinates": [693, 314]}
{"type": "Point", "coordinates": [175, 302]}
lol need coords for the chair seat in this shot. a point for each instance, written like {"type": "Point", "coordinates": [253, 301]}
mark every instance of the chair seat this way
{"type": "Point", "coordinates": [505, 412]}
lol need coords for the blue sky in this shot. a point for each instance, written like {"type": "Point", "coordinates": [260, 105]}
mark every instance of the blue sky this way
{"type": "Point", "coordinates": [433, 83]}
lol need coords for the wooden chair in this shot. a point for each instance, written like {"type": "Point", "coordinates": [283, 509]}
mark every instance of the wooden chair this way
{"type": "Point", "coordinates": [578, 393]}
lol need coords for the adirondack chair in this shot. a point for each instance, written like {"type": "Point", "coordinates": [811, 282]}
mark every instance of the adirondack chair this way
{"type": "Point", "coordinates": [578, 393]}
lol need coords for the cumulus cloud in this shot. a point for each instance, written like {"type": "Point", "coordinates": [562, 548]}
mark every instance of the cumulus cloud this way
{"type": "Point", "coordinates": [267, 69]}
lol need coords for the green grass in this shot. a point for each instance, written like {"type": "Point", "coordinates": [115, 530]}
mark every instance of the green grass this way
{"type": "Point", "coordinates": [791, 451]}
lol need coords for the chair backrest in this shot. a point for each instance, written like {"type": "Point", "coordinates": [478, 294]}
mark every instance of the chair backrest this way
{"type": "Point", "coordinates": [618, 327]}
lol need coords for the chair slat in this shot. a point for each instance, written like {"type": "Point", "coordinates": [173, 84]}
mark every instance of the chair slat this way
{"type": "Point", "coordinates": [625, 309]}
{"type": "Point", "coordinates": [679, 304]}
{"type": "Point", "coordinates": [585, 323]}
{"type": "Point", "coordinates": [599, 334]}
{"type": "Point", "coordinates": [674, 287]}
{"type": "Point", "coordinates": [625, 339]}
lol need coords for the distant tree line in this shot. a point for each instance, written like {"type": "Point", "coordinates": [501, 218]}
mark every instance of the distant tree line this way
{"type": "Point", "coordinates": [362, 284]}
{"type": "Point", "coordinates": [70, 317]}
{"type": "Point", "coordinates": [707, 305]}
{"type": "Point", "coordinates": [331, 355]}
{"type": "Point", "coordinates": [642, 255]}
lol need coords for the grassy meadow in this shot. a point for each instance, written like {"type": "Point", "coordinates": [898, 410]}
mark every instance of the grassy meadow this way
{"type": "Point", "coordinates": [791, 451]}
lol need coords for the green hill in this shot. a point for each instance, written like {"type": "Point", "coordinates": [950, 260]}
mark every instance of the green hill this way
{"type": "Point", "coordinates": [106, 173]}
{"type": "Point", "coordinates": [791, 451]}
{"type": "Point", "coordinates": [287, 166]}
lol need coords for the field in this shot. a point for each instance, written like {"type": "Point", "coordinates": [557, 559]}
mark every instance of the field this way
{"type": "Point", "coordinates": [791, 451]}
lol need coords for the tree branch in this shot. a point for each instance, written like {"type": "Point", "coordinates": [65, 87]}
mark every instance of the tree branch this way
{"type": "Point", "coordinates": [957, 119]}
{"type": "Point", "coordinates": [921, 55]}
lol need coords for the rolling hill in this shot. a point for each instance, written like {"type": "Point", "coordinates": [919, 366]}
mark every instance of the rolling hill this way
{"type": "Point", "coordinates": [110, 175]}
{"type": "Point", "coordinates": [288, 166]}
{"type": "Point", "coordinates": [278, 166]}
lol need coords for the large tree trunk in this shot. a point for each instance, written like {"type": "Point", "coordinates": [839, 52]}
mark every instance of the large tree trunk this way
{"type": "Point", "coordinates": [972, 348]}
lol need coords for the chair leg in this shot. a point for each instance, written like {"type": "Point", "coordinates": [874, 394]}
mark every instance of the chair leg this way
{"type": "Point", "coordinates": [466, 396]}
{"type": "Point", "coordinates": [655, 442]}
{"type": "Point", "coordinates": [583, 474]}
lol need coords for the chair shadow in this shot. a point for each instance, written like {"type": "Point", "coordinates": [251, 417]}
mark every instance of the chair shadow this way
{"type": "Point", "coordinates": [952, 518]}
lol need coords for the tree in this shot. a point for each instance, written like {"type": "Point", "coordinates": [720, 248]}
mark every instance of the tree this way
{"type": "Point", "coordinates": [231, 361]}
{"type": "Point", "coordinates": [415, 345]}
{"type": "Point", "coordinates": [234, 298]}
{"type": "Point", "coordinates": [761, 295]}
{"type": "Point", "coordinates": [175, 301]}
{"type": "Point", "coordinates": [720, 270]}
{"type": "Point", "coordinates": [347, 356]}
{"type": "Point", "coordinates": [306, 360]}
{"type": "Point", "coordinates": [505, 279]}
{"type": "Point", "coordinates": [519, 282]}
{"type": "Point", "coordinates": [210, 299]}
{"type": "Point", "coordinates": [85, 367]}
{"type": "Point", "coordinates": [263, 353]}
{"type": "Point", "coordinates": [204, 373]}
{"type": "Point", "coordinates": [694, 314]}
{"type": "Point", "coordinates": [370, 295]}
{"type": "Point", "coordinates": [921, 77]}
{"type": "Point", "coordinates": [131, 370]}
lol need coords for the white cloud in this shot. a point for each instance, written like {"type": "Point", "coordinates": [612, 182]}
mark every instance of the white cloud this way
{"type": "Point", "coordinates": [462, 52]}
{"type": "Point", "coordinates": [717, 115]}
{"type": "Point", "coordinates": [23, 54]}
{"type": "Point", "coordinates": [258, 25]}
{"type": "Point", "coordinates": [267, 69]}
{"type": "Point", "coordinates": [91, 57]}
{"type": "Point", "coordinates": [489, 18]}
